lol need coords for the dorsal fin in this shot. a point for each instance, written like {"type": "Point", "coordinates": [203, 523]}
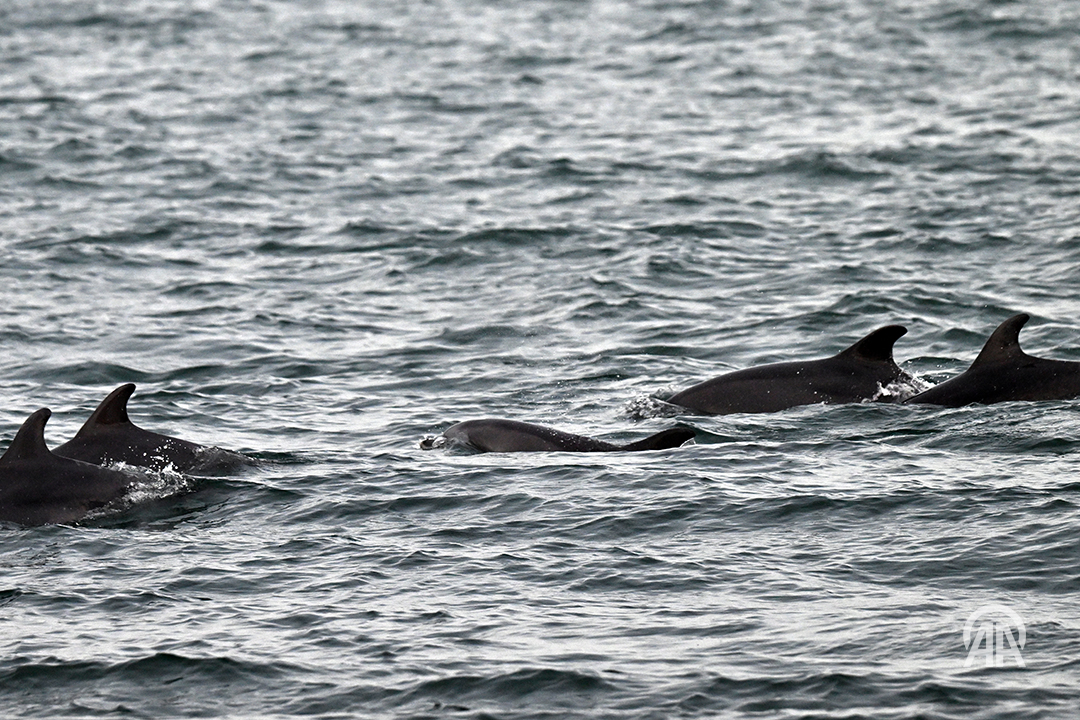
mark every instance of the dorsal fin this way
{"type": "Point", "coordinates": [878, 345]}
{"type": "Point", "coordinates": [111, 411]}
{"type": "Point", "coordinates": [663, 440]}
{"type": "Point", "coordinates": [1004, 343]}
{"type": "Point", "coordinates": [29, 442]}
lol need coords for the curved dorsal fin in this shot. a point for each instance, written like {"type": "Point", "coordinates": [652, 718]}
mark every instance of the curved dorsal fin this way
{"type": "Point", "coordinates": [1004, 343]}
{"type": "Point", "coordinates": [111, 411]}
{"type": "Point", "coordinates": [29, 442]}
{"type": "Point", "coordinates": [663, 440]}
{"type": "Point", "coordinates": [878, 345]}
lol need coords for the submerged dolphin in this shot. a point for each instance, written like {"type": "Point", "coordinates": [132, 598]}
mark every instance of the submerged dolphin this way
{"type": "Point", "coordinates": [856, 374]}
{"type": "Point", "coordinates": [38, 486]}
{"type": "Point", "coordinates": [109, 436]}
{"type": "Point", "coordinates": [1003, 372]}
{"type": "Point", "coordinates": [512, 436]}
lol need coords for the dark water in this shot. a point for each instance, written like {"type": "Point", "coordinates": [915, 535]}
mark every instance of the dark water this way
{"type": "Point", "coordinates": [319, 232]}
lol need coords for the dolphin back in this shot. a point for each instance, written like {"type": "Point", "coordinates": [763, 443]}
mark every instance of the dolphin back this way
{"type": "Point", "coordinates": [109, 436]}
{"type": "Point", "coordinates": [497, 435]}
{"type": "Point", "coordinates": [1003, 372]}
{"type": "Point", "coordinates": [855, 374]}
{"type": "Point", "coordinates": [38, 487]}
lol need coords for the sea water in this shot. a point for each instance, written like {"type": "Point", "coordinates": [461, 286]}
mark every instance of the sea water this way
{"type": "Point", "coordinates": [318, 233]}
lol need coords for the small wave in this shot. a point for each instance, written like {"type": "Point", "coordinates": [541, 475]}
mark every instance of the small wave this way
{"type": "Point", "coordinates": [92, 374]}
{"type": "Point", "coordinates": [838, 694]}
{"type": "Point", "coordinates": [901, 389]}
{"type": "Point", "coordinates": [213, 460]}
{"type": "Point", "coordinates": [822, 165]}
{"type": "Point", "coordinates": [515, 236]}
{"type": "Point", "coordinates": [147, 487]}
{"type": "Point", "coordinates": [158, 668]}
{"type": "Point", "coordinates": [433, 442]}
{"type": "Point", "coordinates": [645, 407]}
{"type": "Point", "coordinates": [812, 691]}
{"type": "Point", "coordinates": [564, 687]}
{"type": "Point", "coordinates": [10, 164]}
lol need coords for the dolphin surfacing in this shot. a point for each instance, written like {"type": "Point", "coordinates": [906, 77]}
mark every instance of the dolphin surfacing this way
{"type": "Point", "coordinates": [39, 487]}
{"type": "Point", "coordinates": [1003, 372]}
{"type": "Point", "coordinates": [854, 375]}
{"type": "Point", "coordinates": [493, 435]}
{"type": "Point", "coordinates": [109, 436]}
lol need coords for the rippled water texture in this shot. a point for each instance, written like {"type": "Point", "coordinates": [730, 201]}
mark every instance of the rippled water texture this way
{"type": "Point", "coordinates": [319, 232]}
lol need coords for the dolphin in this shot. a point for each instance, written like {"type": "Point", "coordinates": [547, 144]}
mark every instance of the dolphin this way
{"type": "Point", "coordinates": [109, 436]}
{"type": "Point", "coordinates": [1004, 372]}
{"type": "Point", "coordinates": [39, 487]}
{"type": "Point", "coordinates": [492, 435]}
{"type": "Point", "coordinates": [853, 375]}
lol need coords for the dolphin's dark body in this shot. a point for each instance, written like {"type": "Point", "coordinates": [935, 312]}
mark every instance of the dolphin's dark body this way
{"type": "Point", "coordinates": [109, 436]}
{"type": "Point", "coordinates": [39, 487]}
{"type": "Point", "coordinates": [1004, 372]}
{"type": "Point", "coordinates": [493, 435]}
{"type": "Point", "coordinates": [858, 373]}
